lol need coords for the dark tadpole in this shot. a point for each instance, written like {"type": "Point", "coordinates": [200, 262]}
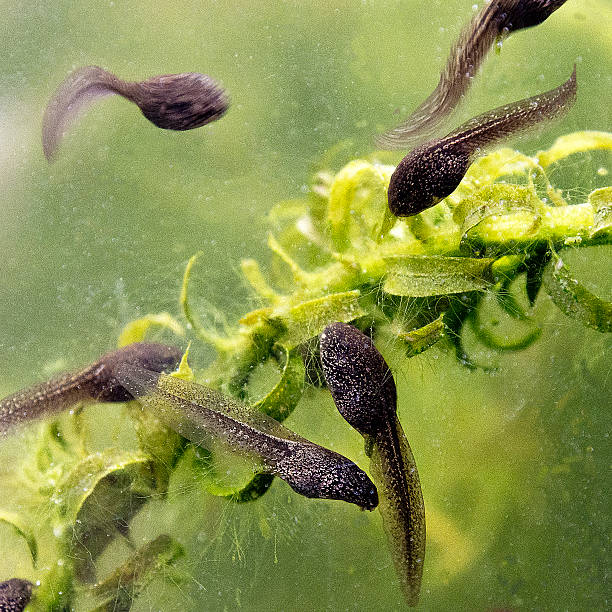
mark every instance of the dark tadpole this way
{"type": "Point", "coordinates": [96, 382]}
{"type": "Point", "coordinates": [15, 594]}
{"type": "Point", "coordinates": [208, 418]}
{"type": "Point", "coordinates": [171, 102]}
{"type": "Point", "coordinates": [495, 20]}
{"type": "Point", "coordinates": [364, 392]}
{"type": "Point", "coordinates": [434, 170]}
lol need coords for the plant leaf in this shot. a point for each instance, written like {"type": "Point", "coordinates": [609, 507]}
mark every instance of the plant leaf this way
{"type": "Point", "coordinates": [420, 339]}
{"type": "Point", "coordinates": [136, 330]}
{"type": "Point", "coordinates": [496, 200]}
{"type": "Point", "coordinates": [124, 585]}
{"type": "Point", "coordinates": [358, 202]}
{"type": "Point", "coordinates": [119, 482]}
{"type": "Point", "coordinates": [423, 276]}
{"type": "Point", "coordinates": [309, 319]}
{"type": "Point", "coordinates": [601, 201]}
{"type": "Point", "coordinates": [286, 393]}
{"type": "Point", "coordinates": [56, 589]}
{"type": "Point", "coordinates": [574, 299]}
{"type": "Point", "coordinates": [21, 529]}
{"type": "Point", "coordinates": [536, 264]}
{"type": "Point", "coordinates": [577, 142]}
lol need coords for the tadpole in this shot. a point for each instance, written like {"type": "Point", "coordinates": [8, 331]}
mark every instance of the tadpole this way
{"type": "Point", "coordinates": [172, 102]}
{"type": "Point", "coordinates": [15, 594]}
{"type": "Point", "coordinates": [434, 170]}
{"type": "Point", "coordinates": [495, 20]}
{"type": "Point", "coordinates": [207, 417]}
{"type": "Point", "coordinates": [364, 392]}
{"type": "Point", "coordinates": [96, 382]}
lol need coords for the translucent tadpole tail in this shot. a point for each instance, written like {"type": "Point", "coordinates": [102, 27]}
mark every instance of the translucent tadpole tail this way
{"type": "Point", "coordinates": [401, 506]}
{"type": "Point", "coordinates": [494, 21]}
{"type": "Point", "coordinates": [512, 119]}
{"type": "Point", "coordinates": [79, 90]}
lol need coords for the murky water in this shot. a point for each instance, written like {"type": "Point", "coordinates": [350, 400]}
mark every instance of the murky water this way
{"type": "Point", "coordinates": [512, 463]}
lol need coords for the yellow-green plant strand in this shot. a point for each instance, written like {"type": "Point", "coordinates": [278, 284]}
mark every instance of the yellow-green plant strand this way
{"type": "Point", "coordinates": [136, 330]}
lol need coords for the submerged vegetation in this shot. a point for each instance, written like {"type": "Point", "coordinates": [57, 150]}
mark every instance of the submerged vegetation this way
{"type": "Point", "coordinates": [475, 262]}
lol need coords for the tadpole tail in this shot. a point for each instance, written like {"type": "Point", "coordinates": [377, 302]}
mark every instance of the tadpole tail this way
{"type": "Point", "coordinates": [494, 20]}
{"type": "Point", "coordinates": [96, 383]}
{"type": "Point", "coordinates": [401, 506]}
{"type": "Point", "coordinates": [43, 399]}
{"type": "Point", "coordinates": [511, 119]}
{"type": "Point", "coordinates": [80, 89]}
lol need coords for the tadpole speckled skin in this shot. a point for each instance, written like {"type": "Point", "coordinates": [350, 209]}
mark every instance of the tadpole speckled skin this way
{"type": "Point", "coordinates": [364, 392]}
{"type": "Point", "coordinates": [358, 378]}
{"type": "Point", "coordinates": [496, 19]}
{"type": "Point", "coordinates": [171, 102]}
{"type": "Point", "coordinates": [204, 415]}
{"type": "Point", "coordinates": [97, 383]}
{"type": "Point", "coordinates": [15, 594]}
{"type": "Point", "coordinates": [434, 170]}
{"type": "Point", "coordinates": [178, 101]}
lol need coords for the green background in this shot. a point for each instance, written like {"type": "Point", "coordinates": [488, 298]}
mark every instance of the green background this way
{"type": "Point", "coordinates": [513, 465]}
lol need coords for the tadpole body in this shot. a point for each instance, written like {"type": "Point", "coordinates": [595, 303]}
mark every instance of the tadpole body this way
{"type": "Point", "coordinates": [495, 20]}
{"type": "Point", "coordinates": [207, 417]}
{"type": "Point", "coordinates": [434, 170]}
{"type": "Point", "coordinates": [172, 102]}
{"type": "Point", "coordinates": [96, 382]}
{"type": "Point", "coordinates": [15, 594]}
{"type": "Point", "coordinates": [364, 392]}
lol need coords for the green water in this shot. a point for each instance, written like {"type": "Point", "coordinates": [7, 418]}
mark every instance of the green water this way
{"type": "Point", "coordinates": [513, 464]}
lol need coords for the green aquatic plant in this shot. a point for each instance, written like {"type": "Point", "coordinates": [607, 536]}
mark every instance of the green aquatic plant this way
{"type": "Point", "coordinates": [337, 256]}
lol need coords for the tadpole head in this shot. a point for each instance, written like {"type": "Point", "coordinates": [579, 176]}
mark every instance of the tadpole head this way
{"type": "Point", "coordinates": [426, 176]}
{"type": "Point", "coordinates": [528, 13]}
{"type": "Point", "coordinates": [15, 594]}
{"type": "Point", "coordinates": [145, 355]}
{"type": "Point", "coordinates": [180, 101]}
{"type": "Point", "coordinates": [323, 474]}
{"type": "Point", "coordinates": [358, 377]}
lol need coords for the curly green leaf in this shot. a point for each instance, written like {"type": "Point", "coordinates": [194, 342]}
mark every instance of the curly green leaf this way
{"type": "Point", "coordinates": [22, 530]}
{"type": "Point", "coordinates": [577, 142]}
{"type": "Point", "coordinates": [309, 319]}
{"type": "Point", "coordinates": [358, 202]}
{"type": "Point", "coordinates": [118, 481]}
{"type": "Point", "coordinates": [420, 339]}
{"type": "Point", "coordinates": [136, 330]}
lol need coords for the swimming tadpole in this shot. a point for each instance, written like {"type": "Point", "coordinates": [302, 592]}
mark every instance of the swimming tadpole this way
{"type": "Point", "coordinates": [172, 102]}
{"type": "Point", "coordinates": [496, 20]}
{"type": "Point", "coordinates": [364, 392]}
{"type": "Point", "coordinates": [209, 418]}
{"type": "Point", "coordinates": [434, 170]}
{"type": "Point", "coordinates": [94, 383]}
